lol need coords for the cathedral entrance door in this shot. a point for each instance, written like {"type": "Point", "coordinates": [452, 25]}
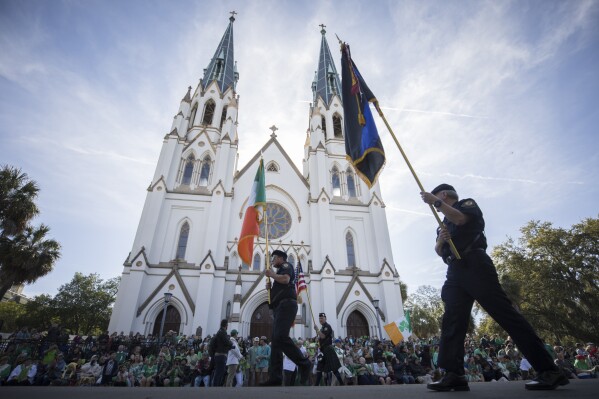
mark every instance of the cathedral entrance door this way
{"type": "Point", "coordinates": [261, 323]}
{"type": "Point", "coordinates": [171, 322]}
{"type": "Point", "coordinates": [357, 325]}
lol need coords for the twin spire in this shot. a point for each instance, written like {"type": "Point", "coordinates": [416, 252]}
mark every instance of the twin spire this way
{"type": "Point", "coordinates": [223, 68]}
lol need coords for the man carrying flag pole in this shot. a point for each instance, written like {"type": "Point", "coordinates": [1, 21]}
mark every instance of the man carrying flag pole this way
{"type": "Point", "coordinates": [362, 142]}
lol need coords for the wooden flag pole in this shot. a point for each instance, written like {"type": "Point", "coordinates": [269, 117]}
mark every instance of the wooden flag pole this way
{"type": "Point", "coordinates": [267, 253]}
{"type": "Point", "coordinates": [310, 305]}
{"type": "Point", "coordinates": [454, 250]}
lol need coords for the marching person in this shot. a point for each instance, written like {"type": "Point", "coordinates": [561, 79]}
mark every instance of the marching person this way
{"type": "Point", "coordinates": [474, 278]}
{"type": "Point", "coordinates": [284, 304]}
{"type": "Point", "coordinates": [329, 360]}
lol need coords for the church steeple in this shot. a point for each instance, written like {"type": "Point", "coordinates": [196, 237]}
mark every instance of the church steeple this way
{"type": "Point", "coordinates": [326, 82]}
{"type": "Point", "coordinates": [222, 67]}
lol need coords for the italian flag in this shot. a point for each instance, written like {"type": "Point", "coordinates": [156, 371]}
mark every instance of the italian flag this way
{"type": "Point", "coordinates": [400, 329]}
{"type": "Point", "coordinates": [253, 217]}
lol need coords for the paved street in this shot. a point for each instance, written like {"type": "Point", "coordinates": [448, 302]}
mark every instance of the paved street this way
{"type": "Point", "coordinates": [513, 390]}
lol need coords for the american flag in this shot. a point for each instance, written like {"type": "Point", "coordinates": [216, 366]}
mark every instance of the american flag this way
{"type": "Point", "coordinates": [300, 282]}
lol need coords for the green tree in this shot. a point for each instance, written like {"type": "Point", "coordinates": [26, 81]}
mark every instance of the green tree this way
{"type": "Point", "coordinates": [551, 275]}
{"type": "Point", "coordinates": [83, 305]}
{"type": "Point", "coordinates": [38, 313]}
{"type": "Point", "coordinates": [426, 310]}
{"type": "Point", "coordinates": [9, 313]}
{"type": "Point", "coordinates": [26, 254]}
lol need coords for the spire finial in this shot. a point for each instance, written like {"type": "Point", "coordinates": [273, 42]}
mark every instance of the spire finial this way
{"type": "Point", "coordinates": [232, 18]}
{"type": "Point", "coordinates": [322, 28]}
{"type": "Point", "coordinates": [274, 129]}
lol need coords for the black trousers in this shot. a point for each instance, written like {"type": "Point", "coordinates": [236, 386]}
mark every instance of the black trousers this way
{"type": "Point", "coordinates": [474, 278]}
{"type": "Point", "coordinates": [284, 315]}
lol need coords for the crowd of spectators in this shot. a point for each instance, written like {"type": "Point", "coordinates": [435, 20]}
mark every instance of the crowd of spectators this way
{"type": "Point", "coordinates": [55, 358]}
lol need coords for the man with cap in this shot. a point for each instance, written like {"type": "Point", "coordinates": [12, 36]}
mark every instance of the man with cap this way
{"type": "Point", "coordinates": [474, 278]}
{"type": "Point", "coordinates": [233, 358]}
{"type": "Point", "coordinates": [283, 302]}
{"type": "Point", "coordinates": [329, 360]}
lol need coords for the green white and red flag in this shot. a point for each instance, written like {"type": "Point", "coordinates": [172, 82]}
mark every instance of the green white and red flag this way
{"type": "Point", "coordinates": [253, 217]}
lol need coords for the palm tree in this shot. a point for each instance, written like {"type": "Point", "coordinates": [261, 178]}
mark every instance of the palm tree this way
{"type": "Point", "coordinates": [25, 252]}
{"type": "Point", "coordinates": [17, 195]}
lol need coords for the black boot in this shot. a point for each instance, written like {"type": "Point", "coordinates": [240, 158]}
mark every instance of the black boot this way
{"type": "Point", "coordinates": [450, 382]}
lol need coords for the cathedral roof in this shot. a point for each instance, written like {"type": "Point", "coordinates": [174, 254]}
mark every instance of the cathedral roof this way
{"type": "Point", "coordinates": [326, 82]}
{"type": "Point", "coordinates": [222, 66]}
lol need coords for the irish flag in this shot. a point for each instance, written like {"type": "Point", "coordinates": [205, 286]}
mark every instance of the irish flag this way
{"type": "Point", "coordinates": [253, 217]}
{"type": "Point", "coordinates": [400, 329]}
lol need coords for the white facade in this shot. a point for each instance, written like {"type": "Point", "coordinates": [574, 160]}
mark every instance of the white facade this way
{"type": "Point", "coordinates": [198, 187]}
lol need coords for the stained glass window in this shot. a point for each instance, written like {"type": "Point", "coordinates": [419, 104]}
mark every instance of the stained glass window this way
{"type": "Point", "coordinates": [256, 265]}
{"type": "Point", "coordinates": [351, 254]}
{"type": "Point", "coordinates": [336, 182]}
{"type": "Point", "coordinates": [279, 221]}
{"type": "Point", "coordinates": [188, 170]}
{"type": "Point", "coordinates": [351, 183]}
{"type": "Point", "coordinates": [182, 245]}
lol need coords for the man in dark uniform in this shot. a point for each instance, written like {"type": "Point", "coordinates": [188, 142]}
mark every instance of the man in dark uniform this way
{"type": "Point", "coordinates": [328, 361]}
{"type": "Point", "coordinates": [283, 302]}
{"type": "Point", "coordinates": [474, 278]}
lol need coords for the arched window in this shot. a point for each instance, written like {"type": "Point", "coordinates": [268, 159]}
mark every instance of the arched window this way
{"type": "Point", "coordinates": [291, 260]}
{"type": "Point", "coordinates": [208, 112]}
{"type": "Point", "coordinates": [323, 123]}
{"type": "Point", "coordinates": [205, 171]}
{"type": "Point", "coordinates": [223, 117]}
{"type": "Point", "coordinates": [192, 116]}
{"type": "Point", "coordinates": [337, 126]}
{"type": "Point", "coordinates": [228, 315]}
{"type": "Point", "coordinates": [188, 170]}
{"type": "Point", "coordinates": [257, 260]}
{"type": "Point", "coordinates": [349, 246]}
{"type": "Point", "coordinates": [182, 245]}
{"type": "Point", "coordinates": [303, 313]}
{"type": "Point", "coordinates": [245, 266]}
{"type": "Point", "coordinates": [351, 183]}
{"type": "Point", "coordinates": [336, 182]}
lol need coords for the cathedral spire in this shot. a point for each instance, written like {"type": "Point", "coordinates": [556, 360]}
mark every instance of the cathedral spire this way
{"type": "Point", "coordinates": [327, 83]}
{"type": "Point", "coordinates": [222, 66]}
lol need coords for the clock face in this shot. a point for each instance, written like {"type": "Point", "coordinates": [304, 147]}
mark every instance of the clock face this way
{"type": "Point", "coordinates": [279, 221]}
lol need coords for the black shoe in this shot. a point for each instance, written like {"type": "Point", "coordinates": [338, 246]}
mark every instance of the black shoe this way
{"type": "Point", "coordinates": [304, 370]}
{"type": "Point", "coordinates": [450, 382]}
{"type": "Point", "coordinates": [271, 383]}
{"type": "Point", "coordinates": [547, 380]}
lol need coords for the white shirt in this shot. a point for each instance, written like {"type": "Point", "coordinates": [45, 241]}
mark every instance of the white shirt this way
{"type": "Point", "coordinates": [525, 365]}
{"type": "Point", "coordinates": [234, 354]}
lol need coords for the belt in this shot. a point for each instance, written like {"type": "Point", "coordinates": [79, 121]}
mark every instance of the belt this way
{"type": "Point", "coordinates": [451, 258]}
{"type": "Point", "coordinates": [220, 354]}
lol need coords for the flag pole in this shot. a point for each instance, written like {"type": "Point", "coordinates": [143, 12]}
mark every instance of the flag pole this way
{"type": "Point", "coordinates": [310, 305]}
{"type": "Point", "coordinates": [267, 253]}
{"type": "Point", "coordinates": [454, 250]}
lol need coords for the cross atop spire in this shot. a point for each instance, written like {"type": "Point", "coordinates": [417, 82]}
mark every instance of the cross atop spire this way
{"type": "Point", "coordinates": [232, 18]}
{"type": "Point", "coordinates": [274, 129]}
{"type": "Point", "coordinates": [322, 28]}
{"type": "Point", "coordinates": [326, 82]}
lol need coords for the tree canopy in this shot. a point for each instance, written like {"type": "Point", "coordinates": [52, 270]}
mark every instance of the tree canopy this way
{"type": "Point", "coordinates": [26, 254]}
{"type": "Point", "coordinates": [551, 275]}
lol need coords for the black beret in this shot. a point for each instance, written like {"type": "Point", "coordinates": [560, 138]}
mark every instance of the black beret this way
{"type": "Point", "coordinates": [279, 253]}
{"type": "Point", "coordinates": [322, 315]}
{"type": "Point", "coordinates": [442, 187]}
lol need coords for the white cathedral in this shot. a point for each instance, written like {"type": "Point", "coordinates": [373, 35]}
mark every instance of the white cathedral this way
{"type": "Point", "coordinates": [184, 258]}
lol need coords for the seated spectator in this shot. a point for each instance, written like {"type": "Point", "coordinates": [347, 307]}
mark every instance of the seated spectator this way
{"type": "Point", "coordinates": [53, 371]}
{"type": "Point", "coordinates": [90, 372]}
{"type": "Point", "coordinates": [203, 371]}
{"type": "Point", "coordinates": [23, 374]}
{"type": "Point", "coordinates": [149, 373]}
{"type": "Point", "coordinates": [364, 373]}
{"type": "Point", "coordinates": [5, 369]}
{"type": "Point", "coordinates": [381, 373]}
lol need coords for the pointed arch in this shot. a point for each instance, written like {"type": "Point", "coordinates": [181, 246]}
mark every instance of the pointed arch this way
{"type": "Point", "coordinates": [205, 169]}
{"type": "Point", "coordinates": [223, 117]}
{"type": "Point", "coordinates": [182, 241]}
{"type": "Point", "coordinates": [228, 311]}
{"type": "Point", "coordinates": [351, 183]}
{"type": "Point", "coordinates": [272, 166]}
{"type": "Point", "coordinates": [192, 116]}
{"type": "Point", "coordinates": [208, 112]}
{"type": "Point", "coordinates": [256, 262]}
{"type": "Point", "coordinates": [323, 123]}
{"type": "Point", "coordinates": [291, 260]}
{"type": "Point", "coordinates": [337, 126]}
{"type": "Point", "coordinates": [336, 181]}
{"type": "Point", "coordinates": [350, 249]}
{"type": "Point", "coordinates": [187, 174]}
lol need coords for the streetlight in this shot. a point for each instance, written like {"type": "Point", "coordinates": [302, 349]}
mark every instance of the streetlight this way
{"type": "Point", "coordinates": [167, 298]}
{"type": "Point", "coordinates": [375, 303]}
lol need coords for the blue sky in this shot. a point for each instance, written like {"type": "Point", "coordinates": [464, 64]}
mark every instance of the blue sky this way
{"type": "Point", "coordinates": [497, 98]}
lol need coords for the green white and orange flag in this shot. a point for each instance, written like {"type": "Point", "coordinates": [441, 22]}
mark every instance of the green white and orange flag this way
{"type": "Point", "coordinates": [253, 217]}
{"type": "Point", "coordinates": [400, 329]}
